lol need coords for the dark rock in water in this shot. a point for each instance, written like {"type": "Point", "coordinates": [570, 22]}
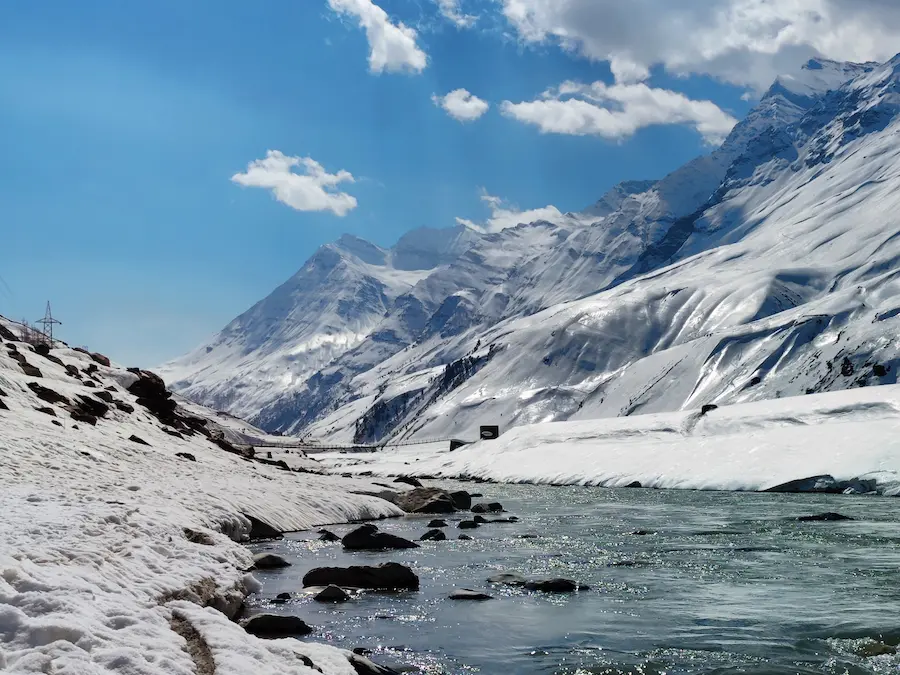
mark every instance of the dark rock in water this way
{"type": "Point", "coordinates": [272, 626]}
{"type": "Point", "coordinates": [426, 500]}
{"type": "Point", "coordinates": [387, 577]}
{"type": "Point", "coordinates": [859, 486]}
{"type": "Point", "coordinates": [137, 439]}
{"type": "Point", "coordinates": [362, 651]}
{"type": "Point", "coordinates": [328, 535]}
{"type": "Point", "coordinates": [824, 484]}
{"type": "Point", "coordinates": [47, 394]}
{"type": "Point", "coordinates": [186, 455]}
{"type": "Point", "coordinates": [493, 507]}
{"type": "Point", "coordinates": [462, 500]}
{"type": "Point", "coordinates": [409, 480]}
{"type": "Point", "coordinates": [469, 594]}
{"type": "Point", "coordinates": [283, 596]}
{"type": "Point", "coordinates": [438, 523]}
{"type": "Point", "coordinates": [269, 561]}
{"type": "Point", "coordinates": [527, 536]}
{"type": "Point", "coordinates": [368, 538]}
{"type": "Point", "coordinates": [508, 579]}
{"type": "Point", "coordinates": [708, 408]}
{"type": "Point", "coordinates": [822, 517]}
{"type": "Point", "coordinates": [332, 593]}
{"type": "Point", "coordinates": [634, 484]}
{"type": "Point", "coordinates": [475, 494]}
{"type": "Point", "coordinates": [364, 666]}
{"type": "Point", "coordinates": [433, 535]}
{"type": "Point", "coordinates": [552, 585]}
{"type": "Point", "coordinates": [642, 533]}
{"type": "Point", "coordinates": [260, 530]}
{"type": "Point", "coordinates": [467, 525]}
{"type": "Point", "coordinates": [479, 519]}
{"type": "Point", "coordinates": [464, 537]}
{"type": "Point", "coordinates": [47, 411]}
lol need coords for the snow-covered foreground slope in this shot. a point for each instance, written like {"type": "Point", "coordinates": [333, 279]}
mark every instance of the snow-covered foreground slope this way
{"type": "Point", "coordinates": [754, 446]}
{"type": "Point", "coordinates": [107, 544]}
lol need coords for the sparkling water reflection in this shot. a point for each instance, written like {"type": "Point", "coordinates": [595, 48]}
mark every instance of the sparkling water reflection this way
{"type": "Point", "coordinates": [715, 583]}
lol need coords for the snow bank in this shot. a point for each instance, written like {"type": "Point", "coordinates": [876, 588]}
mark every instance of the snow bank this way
{"type": "Point", "coordinates": [753, 446]}
{"type": "Point", "coordinates": [95, 558]}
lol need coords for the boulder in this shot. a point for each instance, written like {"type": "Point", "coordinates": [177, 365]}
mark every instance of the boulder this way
{"type": "Point", "coordinates": [481, 520]}
{"type": "Point", "coordinates": [269, 561]}
{"type": "Point", "coordinates": [73, 371]}
{"type": "Point", "coordinates": [386, 577]}
{"type": "Point", "coordinates": [708, 408]}
{"type": "Point", "coordinates": [823, 517]}
{"type": "Point", "coordinates": [186, 455]}
{"type": "Point", "coordinates": [332, 593]}
{"type": "Point", "coordinates": [425, 500]}
{"type": "Point", "coordinates": [368, 538]}
{"type": "Point", "coordinates": [508, 579]}
{"type": "Point", "coordinates": [409, 480]}
{"type": "Point", "coordinates": [551, 585]}
{"type": "Point", "coordinates": [328, 535]}
{"type": "Point", "coordinates": [81, 416]}
{"type": "Point", "coordinates": [124, 407]}
{"type": "Point", "coordinates": [104, 396]}
{"type": "Point", "coordinates": [433, 535]}
{"type": "Point", "coordinates": [642, 533]}
{"type": "Point", "coordinates": [92, 406]}
{"type": "Point", "coordinates": [47, 394]}
{"type": "Point", "coordinates": [3, 406]}
{"type": "Point", "coordinates": [138, 439]}
{"type": "Point", "coordinates": [464, 537]}
{"type": "Point", "coordinates": [469, 594]}
{"type": "Point", "coordinates": [467, 525]}
{"type": "Point", "coordinates": [260, 530]}
{"type": "Point", "coordinates": [859, 486]}
{"type": "Point", "coordinates": [101, 359]}
{"type": "Point", "coordinates": [30, 370]}
{"type": "Point", "coordinates": [283, 596]}
{"type": "Point", "coordinates": [634, 484]}
{"type": "Point", "coordinates": [272, 626]}
{"type": "Point", "coordinates": [47, 411]}
{"type": "Point", "coordinates": [7, 334]}
{"type": "Point", "coordinates": [462, 500]}
{"type": "Point", "coordinates": [364, 666]}
{"type": "Point", "coordinates": [437, 523]}
{"type": "Point", "coordinates": [824, 484]}
{"type": "Point", "coordinates": [493, 507]}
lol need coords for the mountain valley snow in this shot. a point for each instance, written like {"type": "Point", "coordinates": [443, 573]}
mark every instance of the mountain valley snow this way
{"type": "Point", "coordinates": [765, 269]}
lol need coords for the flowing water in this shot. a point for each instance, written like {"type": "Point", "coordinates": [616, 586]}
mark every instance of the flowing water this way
{"type": "Point", "coordinates": [720, 583]}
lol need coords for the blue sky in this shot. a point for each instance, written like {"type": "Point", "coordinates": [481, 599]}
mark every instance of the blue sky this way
{"type": "Point", "coordinates": [122, 124]}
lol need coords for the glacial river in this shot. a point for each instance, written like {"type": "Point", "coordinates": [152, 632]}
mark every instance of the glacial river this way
{"type": "Point", "coordinates": [719, 583]}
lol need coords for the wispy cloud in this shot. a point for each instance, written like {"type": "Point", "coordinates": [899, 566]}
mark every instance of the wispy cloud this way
{"type": "Point", "coordinates": [504, 215]}
{"type": "Point", "coordinates": [452, 12]}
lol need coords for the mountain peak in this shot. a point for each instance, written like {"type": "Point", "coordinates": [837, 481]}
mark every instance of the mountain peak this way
{"type": "Point", "coordinates": [361, 249]}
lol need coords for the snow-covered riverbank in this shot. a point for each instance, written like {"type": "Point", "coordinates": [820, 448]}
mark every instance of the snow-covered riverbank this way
{"type": "Point", "coordinates": [755, 446]}
{"type": "Point", "coordinates": [110, 547]}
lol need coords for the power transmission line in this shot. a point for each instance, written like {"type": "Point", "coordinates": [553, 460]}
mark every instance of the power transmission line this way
{"type": "Point", "coordinates": [48, 322]}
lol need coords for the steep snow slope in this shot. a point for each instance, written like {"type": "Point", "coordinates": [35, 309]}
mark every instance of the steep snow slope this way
{"type": "Point", "coordinates": [105, 541]}
{"type": "Point", "coordinates": [730, 279]}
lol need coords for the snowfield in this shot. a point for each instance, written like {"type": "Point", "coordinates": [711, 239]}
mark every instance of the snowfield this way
{"type": "Point", "coordinates": [753, 446]}
{"type": "Point", "coordinates": [106, 543]}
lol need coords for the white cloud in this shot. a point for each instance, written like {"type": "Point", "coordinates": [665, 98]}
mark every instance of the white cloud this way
{"type": "Point", "coordinates": [392, 47]}
{"type": "Point", "coordinates": [452, 12]}
{"type": "Point", "coordinates": [461, 105]}
{"type": "Point", "coordinates": [617, 111]}
{"type": "Point", "coordinates": [312, 190]}
{"type": "Point", "coordinates": [746, 42]}
{"type": "Point", "coordinates": [505, 215]}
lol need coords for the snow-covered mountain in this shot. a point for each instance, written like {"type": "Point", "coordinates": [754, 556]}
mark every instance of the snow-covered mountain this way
{"type": "Point", "coordinates": [764, 269]}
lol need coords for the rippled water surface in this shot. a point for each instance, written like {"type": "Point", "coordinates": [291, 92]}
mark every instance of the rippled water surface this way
{"type": "Point", "coordinates": [723, 583]}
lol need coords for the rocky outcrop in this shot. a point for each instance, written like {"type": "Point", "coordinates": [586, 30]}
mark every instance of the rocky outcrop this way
{"type": "Point", "coordinates": [273, 626]}
{"type": "Point", "coordinates": [425, 500]}
{"type": "Point", "coordinates": [368, 538]}
{"type": "Point", "coordinates": [387, 577]}
{"type": "Point", "coordinates": [269, 561]}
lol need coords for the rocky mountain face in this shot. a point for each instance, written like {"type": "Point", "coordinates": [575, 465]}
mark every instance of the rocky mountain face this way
{"type": "Point", "coordinates": [763, 269]}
